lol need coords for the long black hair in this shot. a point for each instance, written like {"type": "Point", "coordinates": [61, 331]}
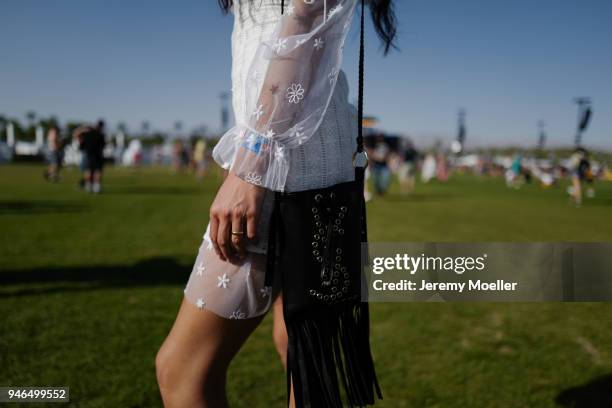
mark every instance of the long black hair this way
{"type": "Point", "coordinates": [383, 17]}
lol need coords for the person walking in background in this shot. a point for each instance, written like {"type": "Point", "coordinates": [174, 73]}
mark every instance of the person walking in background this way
{"type": "Point", "coordinates": [514, 173]}
{"type": "Point", "coordinates": [589, 178]}
{"type": "Point", "coordinates": [580, 168]}
{"type": "Point", "coordinates": [199, 158]}
{"type": "Point", "coordinates": [178, 156]}
{"type": "Point", "coordinates": [78, 136]}
{"type": "Point", "coordinates": [91, 143]}
{"type": "Point", "coordinates": [55, 154]}
{"type": "Point", "coordinates": [407, 169]}
{"type": "Point", "coordinates": [380, 168]}
{"type": "Point", "coordinates": [441, 167]}
{"type": "Point", "coordinates": [428, 171]}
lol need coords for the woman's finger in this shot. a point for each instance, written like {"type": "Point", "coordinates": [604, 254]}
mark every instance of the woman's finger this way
{"type": "Point", "coordinates": [223, 237]}
{"type": "Point", "coordinates": [238, 233]}
{"type": "Point", "coordinates": [251, 224]}
{"type": "Point", "coordinates": [213, 233]}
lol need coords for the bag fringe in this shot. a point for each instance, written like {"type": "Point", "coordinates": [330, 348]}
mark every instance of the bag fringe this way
{"type": "Point", "coordinates": [328, 344]}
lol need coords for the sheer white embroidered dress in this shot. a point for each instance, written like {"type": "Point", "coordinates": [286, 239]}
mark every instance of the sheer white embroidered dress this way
{"type": "Point", "coordinates": [295, 130]}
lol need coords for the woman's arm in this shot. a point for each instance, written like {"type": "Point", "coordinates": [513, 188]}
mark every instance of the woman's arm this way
{"type": "Point", "coordinates": [290, 83]}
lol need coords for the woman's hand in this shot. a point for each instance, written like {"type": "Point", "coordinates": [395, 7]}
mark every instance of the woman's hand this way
{"type": "Point", "coordinates": [235, 209]}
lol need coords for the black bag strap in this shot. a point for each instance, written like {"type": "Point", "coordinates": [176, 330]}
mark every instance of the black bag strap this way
{"type": "Point", "coordinates": [361, 80]}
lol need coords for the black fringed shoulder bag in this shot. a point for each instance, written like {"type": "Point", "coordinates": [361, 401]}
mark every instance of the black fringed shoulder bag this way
{"type": "Point", "coordinates": [315, 247]}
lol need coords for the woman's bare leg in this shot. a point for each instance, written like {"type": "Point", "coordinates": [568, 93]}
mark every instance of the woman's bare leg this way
{"type": "Point", "coordinates": [279, 334]}
{"type": "Point", "coordinates": [279, 331]}
{"type": "Point", "coordinates": [192, 363]}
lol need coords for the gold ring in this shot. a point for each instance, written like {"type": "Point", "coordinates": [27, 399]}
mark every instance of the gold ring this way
{"type": "Point", "coordinates": [237, 232]}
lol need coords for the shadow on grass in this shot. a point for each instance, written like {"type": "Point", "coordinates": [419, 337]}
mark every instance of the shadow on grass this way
{"type": "Point", "coordinates": [596, 393]}
{"type": "Point", "coordinates": [150, 272]}
{"type": "Point", "coordinates": [39, 207]}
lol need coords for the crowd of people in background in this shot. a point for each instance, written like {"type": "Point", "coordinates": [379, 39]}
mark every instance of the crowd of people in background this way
{"type": "Point", "coordinates": [388, 157]}
{"type": "Point", "coordinates": [405, 161]}
{"type": "Point", "coordinates": [401, 158]}
{"type": "Point", "coordinates": [91, 141]}
{"type": "Point", "coordinates": [190, 157]}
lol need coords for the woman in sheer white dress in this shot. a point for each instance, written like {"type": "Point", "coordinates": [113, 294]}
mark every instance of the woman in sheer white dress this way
{"type": "Point", "coordinates": [295, 130]}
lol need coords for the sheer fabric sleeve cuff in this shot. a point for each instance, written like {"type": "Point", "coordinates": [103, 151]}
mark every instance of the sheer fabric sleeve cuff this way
{"type": "Point", "coordinates": [255, 158]}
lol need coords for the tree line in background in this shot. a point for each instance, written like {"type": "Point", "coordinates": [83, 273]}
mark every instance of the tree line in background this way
{"type": "Point", "coordinates": [25, 130]}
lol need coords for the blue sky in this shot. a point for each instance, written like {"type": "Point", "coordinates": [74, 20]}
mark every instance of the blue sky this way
{"type": "Point", "coordinates": [508, 63]}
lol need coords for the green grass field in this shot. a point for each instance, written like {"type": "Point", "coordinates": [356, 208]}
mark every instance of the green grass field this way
{"type": "Point", "coordinates": [89, 287]}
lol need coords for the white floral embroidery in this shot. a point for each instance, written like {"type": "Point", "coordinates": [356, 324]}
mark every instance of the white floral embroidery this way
{"type": "Point", "coordinates": [280, 44]}
{"type": "Point", "coordinates": [255, 76]}
{"type": "Point", "coordinates": [295, 93]}
{"type": "Point", "coordinates": [253, 178]}
{"type": "Point", "coordinates": [318, 43]}
{"type": "Point", "coordinates": [209, 244]}
{"type": "Point", "coordinates": [201, 269]}
{"type": "Point", "coordinates": [332, 75]}
{"type": "Point", "coordinates": [335, 11]}
{"type": "Point", "coordinates": [223, 281]}
{"type": "Point", "coordinates": [258, 112]}
{"type": "Point", "coordinates": [266, 291]}
{"type": "Point", "coordinates": [200, 303]}
{"type": "Point", "coordinates": [279, 152]}
{"type": "Point", "coordinates": [296, 131]}
{"type": "Point", "coordinates": [237, 314]}
{"type": "Point", "coordinates": [269, 134]}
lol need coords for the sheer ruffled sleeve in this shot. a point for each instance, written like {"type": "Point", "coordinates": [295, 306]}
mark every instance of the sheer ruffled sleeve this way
{"type": "Point", "coordinates": [290, 83]}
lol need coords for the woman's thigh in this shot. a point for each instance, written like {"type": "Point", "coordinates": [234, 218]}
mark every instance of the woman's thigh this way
{"type": "Point", "coordinates": [201, 345]}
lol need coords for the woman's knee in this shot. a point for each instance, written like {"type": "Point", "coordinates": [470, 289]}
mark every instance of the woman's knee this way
{"type": "Point", "coordinates": [166, 369]}
{"type": "Point", "coordinates": [182, 384]}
